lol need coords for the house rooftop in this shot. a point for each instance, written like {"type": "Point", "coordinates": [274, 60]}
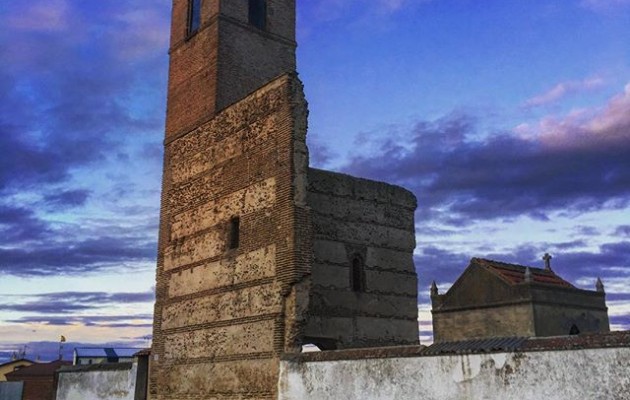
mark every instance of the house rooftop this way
{"type": "Point", "coordinates": [515, 274]}
{"type": "Point", "coordinates": [104, 352]}
{"type": "Point", "coordinates": [17, 361]}
{"type": "Point", "coordinates": [38, 369]}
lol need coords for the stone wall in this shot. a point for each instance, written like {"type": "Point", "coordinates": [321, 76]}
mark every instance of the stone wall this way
{"type": "Point", "coordinates": [597, 374]}
{"type": "Point", "coordinates": [373, 222]}
{"type": "Point", "coordinates": [556, 319]}
{"type": "Point", "coordinates": [225, 313]}
{"type": "Point", "coordinates": [98, 382]}
{"type": "Point", "coordinates": [556, 311]}
{"type": "Point", "coordinates": [504, 320]}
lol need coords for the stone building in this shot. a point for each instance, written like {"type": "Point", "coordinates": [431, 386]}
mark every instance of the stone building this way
{"type": "Point", "coordinates": [496, 299]}
{"type": "Point", "coordinates": [258, 253]}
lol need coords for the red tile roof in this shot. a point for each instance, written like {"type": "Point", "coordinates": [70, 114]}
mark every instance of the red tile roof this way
{"type": "Point", "coordinates": [515, 274]}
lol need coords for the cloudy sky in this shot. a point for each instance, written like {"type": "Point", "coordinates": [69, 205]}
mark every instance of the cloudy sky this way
{"type": "Point", "coordinates": [509, 121]}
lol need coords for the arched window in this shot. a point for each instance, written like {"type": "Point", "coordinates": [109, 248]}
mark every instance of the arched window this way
{"type": "Point", "coordinates": [235, 233]}
{"type": "Point", "coordinates": [194, 16]}
{"type": "Point", "coordinates": [574, 330]}
{"type": "Point", "coordinates": [357, 278]}
{"type": "Point", "coordinates": [258, 13]}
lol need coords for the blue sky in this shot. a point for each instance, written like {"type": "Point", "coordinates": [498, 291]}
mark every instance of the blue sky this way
{"type": "Point", "coordinates": [510, 121]}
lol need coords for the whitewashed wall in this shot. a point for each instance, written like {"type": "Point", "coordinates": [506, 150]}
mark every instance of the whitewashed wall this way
{"type": "Point", "coordinates": [98, 384]}
{"type": "Point", "coordinates": [550, 375]}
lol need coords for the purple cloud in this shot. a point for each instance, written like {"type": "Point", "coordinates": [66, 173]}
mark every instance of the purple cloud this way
{"type": "Point", "coordinates": [67, 199]}
{"type": "Point", "coordinates": [70, 302]}
{"type": "Point", "coordinates": [76, 257]}
{"type": "Point", "coordinates": [566, 166]}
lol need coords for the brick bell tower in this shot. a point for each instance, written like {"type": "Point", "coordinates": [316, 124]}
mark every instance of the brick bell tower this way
{"type": "Point", "coordinates": [235, 245]}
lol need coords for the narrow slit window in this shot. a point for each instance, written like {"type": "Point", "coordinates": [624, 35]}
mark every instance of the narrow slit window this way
{"type": "Point", "coordinates": [194, 16]}
{"type": "Point", "coordinates": [357, 275]}
{"type": "Point", "coordinates": [235, 228]}
{"type": "Point", "coordinates": [258, 13]}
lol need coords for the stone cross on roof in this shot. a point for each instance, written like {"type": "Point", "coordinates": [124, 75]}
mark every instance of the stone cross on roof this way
{"type": "Point", "coordinates": [434, 289]}
{"type": "Point", "coordinates": [547, 258]}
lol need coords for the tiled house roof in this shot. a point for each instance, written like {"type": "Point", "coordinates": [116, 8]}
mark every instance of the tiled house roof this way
{"type": "Point", "coordinates": [515, 274]}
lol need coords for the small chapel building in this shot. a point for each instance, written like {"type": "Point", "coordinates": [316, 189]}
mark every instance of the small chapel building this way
{"type": "Point", "coordinates": [497, 299]}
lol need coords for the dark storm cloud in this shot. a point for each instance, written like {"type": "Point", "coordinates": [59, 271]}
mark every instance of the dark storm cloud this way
{"type": "Point", "coordinates": [76, 257]}
{"type": "Point", "coordinates": [66, 83]}
{"type": "Point", "coordinates": [623, 231]}
{"type": "Point", "coordinates": [442, 265]}
{"type": "Point", "coordinates": [610, 255]}
{"type": "Point", "coordinates": [93, 320]}
{"type": "Point", "coordinates": [58, 303]}
{"type": "Point", "coordinates": [587, 231]}
{"type": "Point", "coordinates": [67, 198]}
{"type": "Point", "coordinates": [504, 176]}
{"type": "Point", "coordinates": [19, 223]}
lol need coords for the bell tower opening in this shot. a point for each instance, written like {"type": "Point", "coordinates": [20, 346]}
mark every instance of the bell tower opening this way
{"type": "Point", "coordinates": [258, 13]}
{"type": "Point", "coordinates": [194, 17]}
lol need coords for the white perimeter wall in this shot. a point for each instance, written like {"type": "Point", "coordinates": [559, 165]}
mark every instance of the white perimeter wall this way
{"type": "Point", "coordinates": [98, 384]}
{"type": "Point", "coordinates": [551, 375]}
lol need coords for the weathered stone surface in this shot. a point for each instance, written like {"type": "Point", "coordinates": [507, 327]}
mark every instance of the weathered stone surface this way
{"type": "Point", "coordinates": [255, 197]}
{"type": "Point", "coordinates": [331, 276]}
{"type": "Point", "coordinates": [244, 339]}
{"type": "Point", "coordinates": [362, 232]}
{"type": "Point", "coordinates": [551, 375]}
{"type": "Point", "coordinates": [103, 384]}
{"type": "Point", "coordinates": [237, 377]}
{"type": "Point", "coordinates": [392, 329]}
{"type": "Point", "coordinates": [330, 252]}
{"type": "Point", "coordinates": [346, 303]}
{"type": "Point", "coordinates": [235, 304]}
{"type": "Point", "coordinates": [504, 321]}
{"type": "Point", "coordinates": [207, 158]}
{"type": "Point", "coordinates": [391, 283]}
{"type": "Point", "coordinates": [337, 328]}
{"type": "Point", "coordinates": [372, 223]}
{"type": "Point", "coordinates": [247, 267]}
{"type": "Point", "coordinates": [198, 248]}
{"type": "Point", "coordinates": [388, 259]}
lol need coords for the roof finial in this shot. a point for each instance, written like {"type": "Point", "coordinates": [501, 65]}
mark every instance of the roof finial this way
{"type": "Point", "coordinates": [547, 258]}
{"type": "Point", "coordinates": [434, 289]}
{"type": "Point", "coordinates": [528, 275]}
{"type": "Point", "coordinates": [599, 286]}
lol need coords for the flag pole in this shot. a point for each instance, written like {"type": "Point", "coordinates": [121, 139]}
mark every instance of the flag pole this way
{"type": "Point", "coordinates": [62, 339]}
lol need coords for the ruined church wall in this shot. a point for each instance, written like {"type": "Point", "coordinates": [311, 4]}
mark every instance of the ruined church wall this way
{"type": "Point", "coordinates": [550, 375]}
{"type": "Point", "coordinates": [475, 323]}
{"type": "Point", "coordinates": [557, 319]}
{"type": "Point", "coordinates": [222, 314]}
{"type": "Point", "coordinates": [374, 221]}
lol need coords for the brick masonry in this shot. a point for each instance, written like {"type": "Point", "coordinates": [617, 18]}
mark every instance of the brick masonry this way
{"type": "Point", "coordinates": [235, 147]}
{"type": "Point", "coordinates": [224, 315]}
